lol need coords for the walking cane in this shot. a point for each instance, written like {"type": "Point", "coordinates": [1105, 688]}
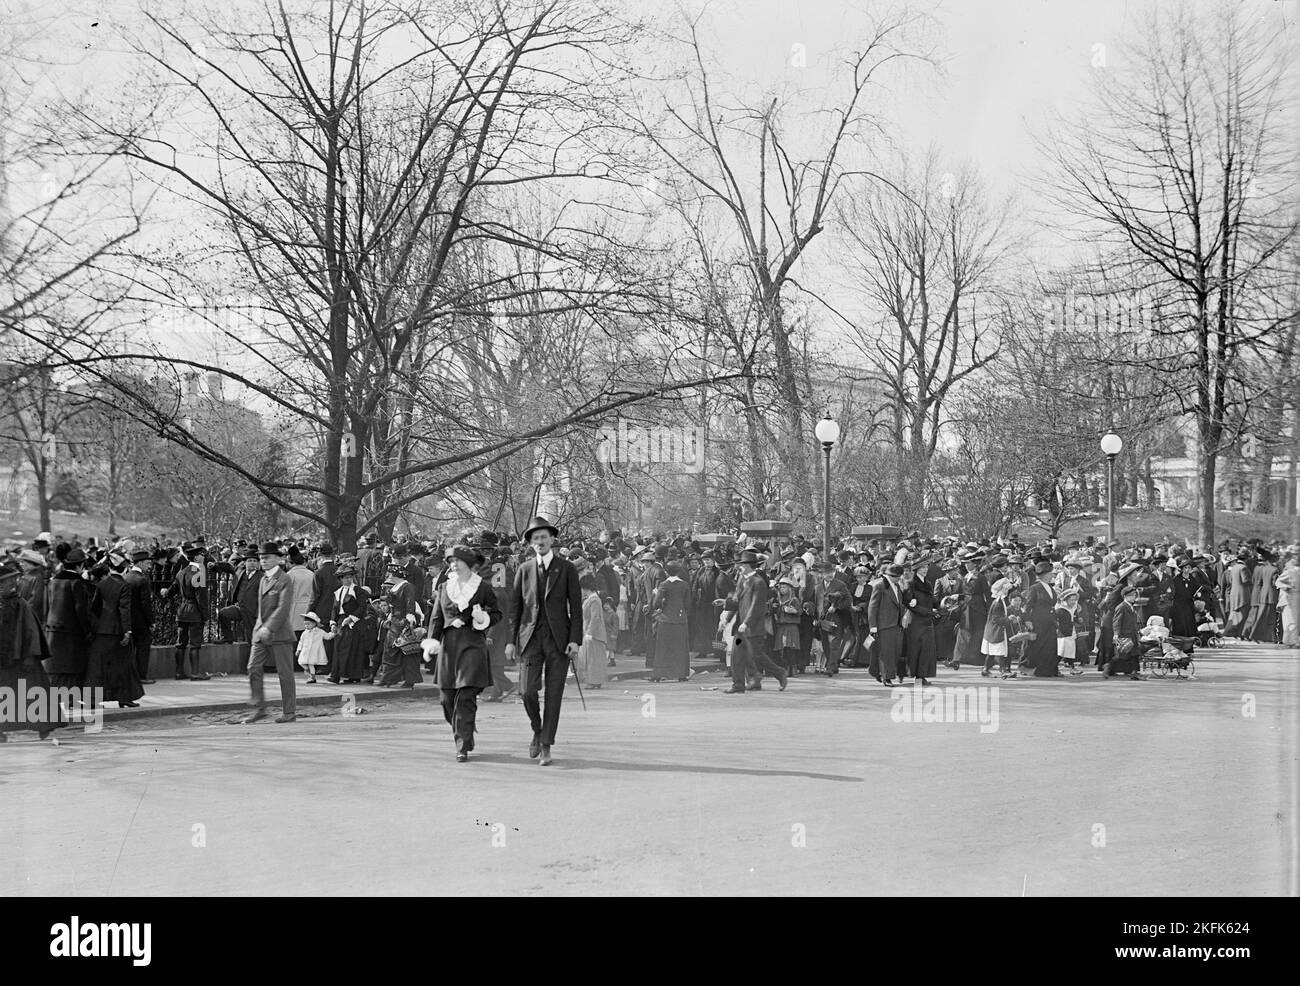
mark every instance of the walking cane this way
{"type": "Point", "coordinates": [578, 682]}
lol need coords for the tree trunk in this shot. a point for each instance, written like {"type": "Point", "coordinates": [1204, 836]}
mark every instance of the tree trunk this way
{"type": "Point", "coordinates": [1207, 461]}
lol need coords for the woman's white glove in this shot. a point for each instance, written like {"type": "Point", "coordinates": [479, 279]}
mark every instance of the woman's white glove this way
{"type": "Point", "coordinates": [430, 646]}
{"type": "Point", "coordinates": [480, 616]}
{"type": "Point", "coordinates": [410, 618]}
{"type": "Point", "coordinates": [457, 623]}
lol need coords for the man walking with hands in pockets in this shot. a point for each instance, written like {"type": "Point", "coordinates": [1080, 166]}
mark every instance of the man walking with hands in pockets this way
{"type": "Point", "coordinates": [546, 629]}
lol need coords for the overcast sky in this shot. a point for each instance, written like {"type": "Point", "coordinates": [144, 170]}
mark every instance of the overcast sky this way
{"type": "Point", "coordinates": [1005, 68]}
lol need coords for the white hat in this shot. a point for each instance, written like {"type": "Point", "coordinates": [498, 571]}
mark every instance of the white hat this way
{"type": "Point", "coordinates": [309, 615]}
{"type": "Point", "coordinates": [31, 557]}
{"type": "Point", "coordinates": [45, 536]}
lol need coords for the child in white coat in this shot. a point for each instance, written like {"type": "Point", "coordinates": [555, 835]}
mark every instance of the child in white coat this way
{"type": "Point", "coordinates": [311, 645]}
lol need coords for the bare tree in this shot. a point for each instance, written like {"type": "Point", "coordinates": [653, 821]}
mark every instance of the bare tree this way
{"type": "Point", "coordinates": [349, 156]}
{"type": "Point", "coordinates": [926, 251]}
{"type": "Point", "coordinates": [743, 160]}
{"type": "Point", "coordinates": [1180, 165]}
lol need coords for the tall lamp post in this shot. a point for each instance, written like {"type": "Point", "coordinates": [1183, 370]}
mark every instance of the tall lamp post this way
{"type": "Point", "coordinates": [827, 432]}
{"type": "Point", "coordinates": [736, 504]}
{"type": "Point", "coordinates": [1111, 444]}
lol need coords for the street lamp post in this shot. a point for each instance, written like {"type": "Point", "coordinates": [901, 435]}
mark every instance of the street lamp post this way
{"type": "Point", "coordinates": [1111, 444]}
{"type": "Point", "coordinates": [736, 504]}
{"type": "Point", "coordinates": [827, 432]}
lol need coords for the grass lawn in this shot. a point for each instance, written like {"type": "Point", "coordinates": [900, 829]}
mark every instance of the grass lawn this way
{"type": "Point", "coordinates": [1156, 525]}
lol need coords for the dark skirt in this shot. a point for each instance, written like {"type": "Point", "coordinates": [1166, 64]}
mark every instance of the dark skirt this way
{"type": "Point", "coordinates": [20, 684]}
{"type": "Point", "coordinates": [69, 653]}
{"type": "Point", "coordinates": [112, 668]}
{"type": "Point", "coordinates": [350, 658]}
{"type": "Point", "coordinates": [671, 656]}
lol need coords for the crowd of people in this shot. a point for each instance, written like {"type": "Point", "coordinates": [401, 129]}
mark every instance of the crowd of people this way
{"type": "Point", "coordinates": [88, 614]}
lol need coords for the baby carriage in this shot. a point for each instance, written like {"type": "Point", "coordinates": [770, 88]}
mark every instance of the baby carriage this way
{"type": "Point", "coordinates": [1162, 654]}
{"type": "Point", "coordinates": [1208, 629]}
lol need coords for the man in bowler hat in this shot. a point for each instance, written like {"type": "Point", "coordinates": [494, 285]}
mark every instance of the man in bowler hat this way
{"type": "Point", "coordinates": [546, 629]}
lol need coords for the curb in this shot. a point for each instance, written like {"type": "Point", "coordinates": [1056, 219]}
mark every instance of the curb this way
{"type": "Point", "coordinates": [419, 693]}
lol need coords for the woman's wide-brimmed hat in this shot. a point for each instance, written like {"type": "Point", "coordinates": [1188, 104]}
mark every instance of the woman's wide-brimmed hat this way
{"type": "Point", "coordinates": [540, 523]}
{"type": "Point", "coordinates": [468, 555]}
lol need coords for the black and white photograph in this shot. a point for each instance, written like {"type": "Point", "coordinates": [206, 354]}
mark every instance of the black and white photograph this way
{"type": "Point", "coordinates": [652, 448]}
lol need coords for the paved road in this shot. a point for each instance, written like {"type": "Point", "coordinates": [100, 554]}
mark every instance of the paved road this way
{"type": "Point", "coordinates": [1085, 787]}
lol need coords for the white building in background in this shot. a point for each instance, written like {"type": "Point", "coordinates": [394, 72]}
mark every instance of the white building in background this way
{"type": "Point", "coordinates": [1176, 477]}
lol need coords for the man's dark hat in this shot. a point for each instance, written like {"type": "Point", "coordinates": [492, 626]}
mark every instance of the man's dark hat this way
{"type": "Point", "coordinates": [540, 523]}
{"type": "Point", "coordinates": [751, 557]}
{"type": "Point", "coordinates": [271, 548]}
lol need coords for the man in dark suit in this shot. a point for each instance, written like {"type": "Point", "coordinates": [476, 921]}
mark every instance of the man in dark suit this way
{"type": "Point", "coordinates": [273, 635]}
{"type": "Point", "coordinates": [140, 590]}
{"type": "Point", "coordinates": [750, 657]}
{"type": "Point", "coordinates": [546, 628]}
{"type": "Point", "coordinates": [975, 601]}
{"type": "Point", "coordinates": [244, 593]}
{"type": "Point", "coordinates": [885, 621]}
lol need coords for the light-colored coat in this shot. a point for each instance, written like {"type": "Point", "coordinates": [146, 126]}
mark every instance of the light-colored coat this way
{"type": "Point", "coordinates": [275, 609]}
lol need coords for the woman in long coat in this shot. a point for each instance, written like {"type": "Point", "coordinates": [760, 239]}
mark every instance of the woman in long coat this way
{"type": "Point", "coordinates": [1288, 601]}
{"type": "Point", "coordinates": [918, 638]}
{"type": "Point", "coordinates": [672, 657]}
{"type": "Point", "coordinates": [403, 611]}
{"type": "Point", "coordinates": [1263, 602]}
{"type": "Point", "coordinates": [465, 607]}
{"type": "Point", "coordinates": [1238, 591]}
{"type": "Point", "coordinates": [1186, 588]}
{"type": "Point", "coordinates": [111, 663]}
{"type": "Point", "coordinates": [591, 665]}
{"type": "Point", "coordinates": [68, 625]}
{"type": "Point", "coordinates": [1040, 611]}
{"type": "Point", "coordinates": [350, 657]}
{"type": "Point", "coordinates": [21, 673]}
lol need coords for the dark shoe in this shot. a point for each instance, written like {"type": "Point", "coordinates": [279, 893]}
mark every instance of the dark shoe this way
{"type": "Point", "coordinates": [546, 757]}
{"type": "Point", "coordinates": [925, 683]}
{"type": "Point", "coordinates": [182, 677]}
{"type": "Point", "coordinates": [781, 682]}
{"type": "Point", "coordinates": [334, 681]}
{"type": "Point", "coordinates": [888, 682]}
{"type": "Point", "coordinates": [286, 718]}
{"type": "Point", "coordinates": [257, 716]}
{"type": "Point", "coordinates": [535, 747]}
{"type": "Point", "coordinates": [148, 681]}
{"type": "Point", "coordinates": [128, 705]}
{"type": "Point", "coordinates": [462, 757]}
{"type": "Point", "coordinates": [199, 676]}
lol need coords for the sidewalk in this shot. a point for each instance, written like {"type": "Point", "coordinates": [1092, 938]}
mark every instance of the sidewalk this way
{"type": "Point", "coordinates": [229, 693]}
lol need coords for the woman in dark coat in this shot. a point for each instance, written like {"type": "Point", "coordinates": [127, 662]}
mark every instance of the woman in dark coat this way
{"type": "Point", "coordinates": [672, 656]}
{"type": "Point", "coordinates": [21, 673]}
{"type": "Point", "coordinates": [465, 607]}
{"type": "Point", "coordinates": [350, 659]}
{"type": "Point", "coordinates": [403, 611]}
{"type": "Point", "coordinates": [1040, 610]}
{"type": "Point", "coordinates": [1126, 637]}
{"type": "Point", "coordinates": [68, 625]}
{"type": "Point", "coordinates": [1186, 588]}
{"type": "Point", "coordinates": [918, 638]}
{"type": "Point", "coordinates": [111, 664]}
